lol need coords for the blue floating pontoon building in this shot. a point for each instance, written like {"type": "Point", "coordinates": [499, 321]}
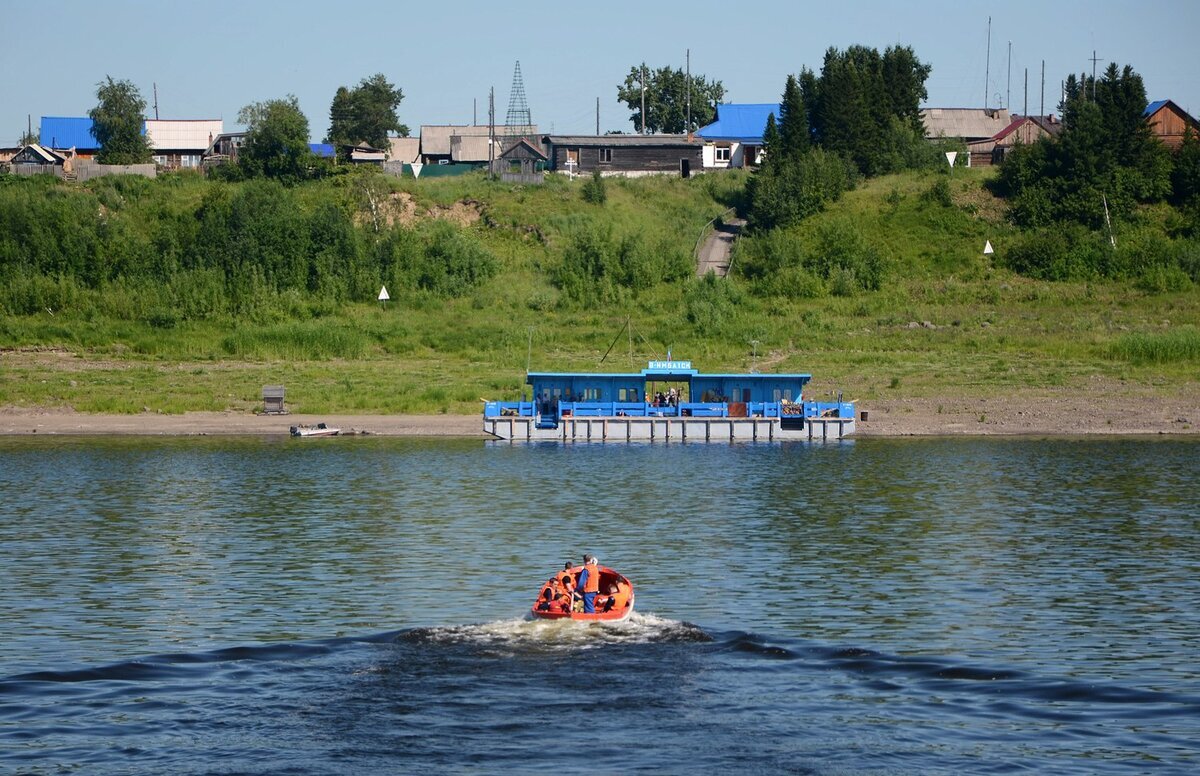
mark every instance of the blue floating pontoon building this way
{"type": "Point", "coordinates": [668, 400]}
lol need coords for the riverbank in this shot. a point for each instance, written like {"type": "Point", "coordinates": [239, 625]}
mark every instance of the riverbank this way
{"type": "Point", "coordinates": [1065, 415]}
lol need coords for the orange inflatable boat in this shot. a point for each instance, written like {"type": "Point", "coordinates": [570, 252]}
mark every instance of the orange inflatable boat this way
{"type": "Point", "coordinates": [556, 602]}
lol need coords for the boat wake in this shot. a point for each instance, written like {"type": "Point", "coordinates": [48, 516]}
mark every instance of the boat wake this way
{"type": "Point", "coordinates": [560, 634]}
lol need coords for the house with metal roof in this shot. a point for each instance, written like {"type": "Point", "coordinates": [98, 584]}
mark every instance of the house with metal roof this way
{"type": "Point", "coordinates": [404, 150]}
{"type": "Point", "coordinates": [35, 159]}
{"type": "Point", "coordinates": [437, 141]}
{"type": "Point", "coordinates": [68, 132]}
{"type": "Point", "coordinates": [969, 125]}
{"type": "Point", "coordinates": [628, 155]}
{"type": "Point", "coordinates": [1168, 122]}
{"type": "Point", "coordinates": [735, 139]}
{"type": "Point", "coordinates": [1021, 130]}
{"type": "Point", "coordinates": [181, 143]}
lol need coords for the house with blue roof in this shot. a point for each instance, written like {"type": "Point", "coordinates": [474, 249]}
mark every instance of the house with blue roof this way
{"type": "Point", "coordinates": [735, 139]}
{"type": "Point", "coordinates": [66, 132]}
{"type": "Point", "coordinates": [1168, 122]}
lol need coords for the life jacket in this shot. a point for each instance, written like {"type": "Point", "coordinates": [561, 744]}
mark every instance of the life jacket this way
{"type": "Point", "coordinates": [560, 604]}
{"type": "Point", "coordinates": [592, 585]}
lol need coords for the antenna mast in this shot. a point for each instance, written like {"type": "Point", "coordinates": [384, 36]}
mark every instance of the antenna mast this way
{"type": "Point", "coordinates": [643, 98]}
{"type": "Point", "coordinates": [491, 131]}
{"type": "Point", "coordinates": [156, 101]}
{"type": "Point", "coordinates": [518, 120]}
{"type": "Point", "coordinates": [688, 127]}
{"type": "Point", "coordinates": [987, 70]}
{"type": "Point", "coordinates": [1008, 87]}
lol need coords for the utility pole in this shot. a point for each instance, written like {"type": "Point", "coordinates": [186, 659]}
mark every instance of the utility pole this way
{"type": "Point", "coordinates": [597, 117]}
{"type": "Point", "coordinates": [643, 98]}
{"type": "Point", "coordinates": [1043, 87]}
{"type": "Point", "coordinates": [29, 125]}
{"type": "Point", "coordinates": [987, 81]}
{"type": "Point", "coordinates": [687, 128]}
{"type": "Point", "coordinates": [1008, 87]}
{"type": "Point", "coordinates": [1025, 112]}
{"type": "Point", "coordinates": [491, 131]}
{"type": "Point", "coordinates": [1094, 59]}
{"type": "Point", "coordinates": [156, 101]}
{"type": "Point", "coordinates": [474, 111]}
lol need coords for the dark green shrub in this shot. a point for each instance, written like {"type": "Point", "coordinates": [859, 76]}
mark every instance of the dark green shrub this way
{"type": "Point", "coordinates": [710, 304]}
{"type": "Point", "coordinates": [593, 189]}
{"type": "Point", "coordinates": [938, 194]}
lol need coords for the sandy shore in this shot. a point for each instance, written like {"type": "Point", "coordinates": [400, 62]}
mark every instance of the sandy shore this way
{"type": "Point", "coordinates": [1072, 414]}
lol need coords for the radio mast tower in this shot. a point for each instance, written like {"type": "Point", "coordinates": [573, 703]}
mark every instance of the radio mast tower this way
{"type": "Point", "coordinates": [518, 120]}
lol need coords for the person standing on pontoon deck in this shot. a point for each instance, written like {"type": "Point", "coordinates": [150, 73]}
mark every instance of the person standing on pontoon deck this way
{"type": "Point", "coordinates": [589, 583]}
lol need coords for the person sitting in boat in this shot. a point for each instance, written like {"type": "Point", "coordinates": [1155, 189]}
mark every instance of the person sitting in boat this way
{"type": "Point", "coordinates": [589, 583]}
{"type": "Point", "coordinates": [552, 601]}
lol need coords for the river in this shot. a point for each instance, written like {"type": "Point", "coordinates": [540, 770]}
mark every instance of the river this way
{"type": "Point", "coordinates": [356, 605]}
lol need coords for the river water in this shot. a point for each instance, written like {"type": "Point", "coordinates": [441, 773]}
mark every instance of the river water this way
{"type": "Point", "coordinates": [356, 605]}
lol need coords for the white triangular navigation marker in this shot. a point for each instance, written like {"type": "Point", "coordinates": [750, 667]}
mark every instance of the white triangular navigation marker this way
{"type": "Point", "coordinates": [987, 248]}
{"type": "Point", "coordinates": [416, 168]}
{"type": "Point", "coordinates": [383, 294]}
{"type": "Point", "coordinates": [951, 156]}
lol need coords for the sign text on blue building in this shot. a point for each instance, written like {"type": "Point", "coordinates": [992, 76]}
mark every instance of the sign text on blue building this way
{"type": "Point", "coordinates": [670, 365]}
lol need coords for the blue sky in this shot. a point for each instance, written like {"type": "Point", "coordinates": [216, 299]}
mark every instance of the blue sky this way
{"type": "Point", "coordinates": [211, 59]}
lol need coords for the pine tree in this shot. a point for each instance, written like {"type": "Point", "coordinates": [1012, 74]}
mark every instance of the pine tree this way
{"type": "Point", "coordinates": [794, 137]}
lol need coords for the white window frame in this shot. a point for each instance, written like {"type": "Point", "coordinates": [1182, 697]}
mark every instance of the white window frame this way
{"type": "Point", "coordinates": [723, 153]}
{"type": "Point", "coordinates": [605, 156]}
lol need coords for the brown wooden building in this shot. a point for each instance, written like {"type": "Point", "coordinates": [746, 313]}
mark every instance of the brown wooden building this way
{"type": "Point", "coordinates": [1168, 121]}
{"type": "Point", "coordinates": [630, 155]}
{"type": "Point", "coordinates": [1023, 130]}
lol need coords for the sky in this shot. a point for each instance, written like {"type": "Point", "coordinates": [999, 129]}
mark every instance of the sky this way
{"type": "Point", "coordinates": [209, 60]}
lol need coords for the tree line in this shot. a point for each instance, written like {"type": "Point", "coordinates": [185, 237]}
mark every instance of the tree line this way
{"type": "Point", "coordinates": [1087, 196]}
{"type": "Point", "coordinates": [277, 131]}
{"type": "Point", "coordinates": [244, 249]}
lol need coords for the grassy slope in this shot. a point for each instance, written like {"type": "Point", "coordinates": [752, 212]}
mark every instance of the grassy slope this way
{"type": "Point", "coordinates": [995, 332]}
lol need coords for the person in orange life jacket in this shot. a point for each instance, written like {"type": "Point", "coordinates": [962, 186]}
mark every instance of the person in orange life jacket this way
{"type": "Point", "coordinates": [560, 594]}
{"type": "Point", "coordinates": [553, 600]}
{"type": "Point", "coordinates": [589, 583]}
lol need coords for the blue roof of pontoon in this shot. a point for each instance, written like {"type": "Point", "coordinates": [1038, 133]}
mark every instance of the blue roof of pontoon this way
{"type": "Point", "coordinates": [674, 373]}
{"type": "Point", "coordinates": [742, 122]}
{"type": "Point", "coordinates": [67, 132]}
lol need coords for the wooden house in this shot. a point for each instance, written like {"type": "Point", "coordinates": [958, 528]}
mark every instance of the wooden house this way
{"type": "Point", "coordinates": [1022, 130]}
{"type": "Point", "coordinates": [969, 125]}
{"type": "Point", "coordinates": [438, 144]}
{"type": "Point", "coordinates": [522, 162]}
{"type": "Point", "coordinates": [181, 143]}
{"type": "Point", "coordinates": [630, 155]}
{"type": "Point", "coordinates": [34, 159]}
{"type": "Point", "coordinates": [1168, 121]}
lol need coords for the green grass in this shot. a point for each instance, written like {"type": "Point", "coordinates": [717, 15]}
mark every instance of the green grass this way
{"type": "Point", "coordinates": [991, 332]}
{"type": "Point", "coordinates": [1177, 346]}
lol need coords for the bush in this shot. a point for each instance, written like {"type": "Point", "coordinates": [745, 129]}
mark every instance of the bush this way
{"type": "Point", "coordinates": [842, 252]}
{"type": "Point", "coordinates": [938, 194]}
{"type": "Point", "coordinates": [454, 261]}
{"type": "Point", "coordinates": [593, 189]}
{"type": "Point", "coordinates": [710, 304]}
{"type": "Point", "coordinates": [1067, 253]}
{"type": "Point", "coordinates": [783, 193]}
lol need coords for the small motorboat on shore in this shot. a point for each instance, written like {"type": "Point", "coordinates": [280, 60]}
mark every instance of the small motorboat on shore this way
{"type": "Point", "coordinates": [319, 430]}
{"type": "Point", "coordinates": [614, 602]}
